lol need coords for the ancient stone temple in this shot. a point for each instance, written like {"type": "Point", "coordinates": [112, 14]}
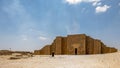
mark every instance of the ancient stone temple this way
{"type": "Point", "coordinates": [78, 44]}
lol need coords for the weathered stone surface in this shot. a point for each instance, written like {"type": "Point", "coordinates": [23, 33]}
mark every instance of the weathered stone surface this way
{"type": "Point", "coordinates": [58, 45]}
{"type": "Point", "coordinates": [97, 47]}
{"type": "Point", "coordinates": [64, 46]}
{"type": "Point", "coordinates": [47, 50]}
{"type": "Point", "coordinates": [104, 49]}
{"type": "Point", "coordinates": [37, 52]}
{"type": "Point", "coordinates": [111, 50]}
{"type": "Point", "coordinates": [89, 45]}
{"type": "Point", "coordinates": [75, 44]}
{"type": "Point", "coordinates": [52, 47]}
{"type": "Point", "coordinates": [76, 41]}
{"type": "Point", "coordinates": [44, 51]}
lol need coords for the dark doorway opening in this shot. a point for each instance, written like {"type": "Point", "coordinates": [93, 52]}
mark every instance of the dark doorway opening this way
{"type": "Point", "coordinates": [52, 54]}
{"type": "Point", "coordinates": [75, 51]}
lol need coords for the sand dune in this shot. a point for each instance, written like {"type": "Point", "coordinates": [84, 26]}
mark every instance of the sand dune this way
{"type": "Point", "coordinates": [63, 61]}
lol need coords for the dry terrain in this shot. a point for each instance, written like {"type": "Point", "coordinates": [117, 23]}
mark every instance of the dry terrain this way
{"type": "Point", "coordinates": [111, 60]}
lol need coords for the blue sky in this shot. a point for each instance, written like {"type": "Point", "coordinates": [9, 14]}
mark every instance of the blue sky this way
{"type": "Point", "coordinates": [31, 24]}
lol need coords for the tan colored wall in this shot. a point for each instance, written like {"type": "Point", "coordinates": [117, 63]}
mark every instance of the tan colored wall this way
{"type": "Point", "coordinates": [82, 48]}
{"type": "Point", "coordinates": [107, 50]}
{"type": "Point", "coordinates": [37, 52]}
{"type": "Point", "coordinates": [76, 41]}
{"type": "Point", "coordinates": [67, 45]}
{"type": "Point", "coordinates": [89, 45]}
{"type": "Point", "coordinates": [45, 50]}
{"type": "Point", "coordinates": [64, 45]}
{"type": "Point", "coordinates": [112, 49]}
{"type": "Point", "coordinates": [103, 48]}
{"type": "Point", "coordinates": [52, 47]}
{"type": "Point", "coordinates": [58, 44]}
{"type": "Point", "coordinates": [97, 47]}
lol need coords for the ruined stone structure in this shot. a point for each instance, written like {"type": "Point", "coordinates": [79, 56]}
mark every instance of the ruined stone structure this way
{"type": "Point", "coordinates": [79, 44]}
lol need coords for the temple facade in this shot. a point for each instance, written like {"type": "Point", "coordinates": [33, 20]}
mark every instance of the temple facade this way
{"type": "Point", "coordinates": [79, 44]}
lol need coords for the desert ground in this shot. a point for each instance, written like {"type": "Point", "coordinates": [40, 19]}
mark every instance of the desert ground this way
{"type": "Point", "coordinates": [111, 60]}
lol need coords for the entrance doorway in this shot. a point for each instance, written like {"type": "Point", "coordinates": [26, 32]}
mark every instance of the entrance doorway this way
{"type": "Point", "coordinates": [75, 51]}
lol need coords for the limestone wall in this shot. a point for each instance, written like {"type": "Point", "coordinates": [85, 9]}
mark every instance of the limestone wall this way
{"type": "Point", "coordinates": [76, 41]}
{"type": "Point", "coordinates": [64, 45]}
{"type": "Point", "coordinates": [37, 52]}
{"type": "Point", "coordinates": [112, 49]}
{"type": "Point", "coordinates": [80, 42]}
{"type": "Point", "coordinates": [45, 50]}
{"type": "Point", "coordinates": [58, 44]}
{"type": "Point", "coordinates": [89, 45]}
{"type": "Point", "coordinates": [97, 47]}
{"type": "Point", "coordinates": [52, 47]}
{"type": "Point", "coordinates": [82, 48]}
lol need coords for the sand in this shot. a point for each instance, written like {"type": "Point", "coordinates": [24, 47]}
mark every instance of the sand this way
{"type": "Point", "coordinates": [111, 60]}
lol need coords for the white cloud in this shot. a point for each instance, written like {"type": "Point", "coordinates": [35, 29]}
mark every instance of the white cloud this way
{"type": "Point", "coordinates": [96, 3]}
{"type": "Point", "coordinates": [73, 1]}
{"type": "Point", "coordinates": [42, 38]}
{"type": "Point", "coordinates": [99, 3]}
{"type": "Point", "coordinates": [80, 1]}
{"type": "Point", "coordinates": [101, 9]}
{"type": "Point", "coordinates": [118, 4]}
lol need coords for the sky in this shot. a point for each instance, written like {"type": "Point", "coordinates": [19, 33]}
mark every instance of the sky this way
{"type": "Point", "coordinates": [31, 24]}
